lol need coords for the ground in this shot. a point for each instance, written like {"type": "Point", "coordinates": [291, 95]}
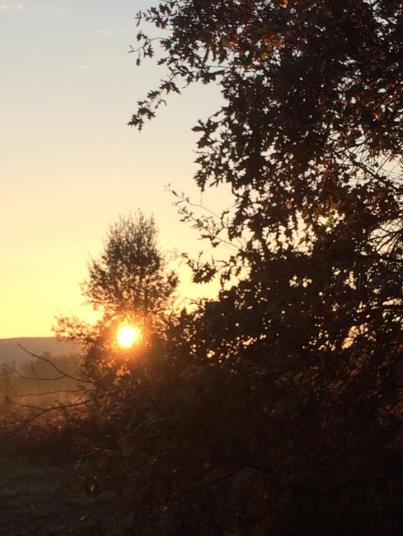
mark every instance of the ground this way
{"type": "Point", "coordinates": [37, 499]}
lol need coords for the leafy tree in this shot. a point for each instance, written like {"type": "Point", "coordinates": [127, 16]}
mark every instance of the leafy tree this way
{"type": "Point", "coordinates": [128, 284]}
{"type": "Point", "coordinates": [276, 408]}
{"type": "Point", "coordinates": [130, 277]}
{"type": "Point", "coordinates": [309, 139]}
{"type": "Point", "coordinates": [93, 400]}
{"type": "Point", "coordinates": [130, 280]}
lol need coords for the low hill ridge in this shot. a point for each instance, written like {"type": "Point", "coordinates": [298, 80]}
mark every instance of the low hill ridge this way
{"type": "Point", "coordinates": [10, 352]}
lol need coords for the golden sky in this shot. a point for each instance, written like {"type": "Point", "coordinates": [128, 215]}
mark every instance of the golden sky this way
{"type": "Point", "coordinates": [69, 163]}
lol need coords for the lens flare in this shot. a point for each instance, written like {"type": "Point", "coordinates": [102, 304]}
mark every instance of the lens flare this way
{"type": "Point", "coordinates": [128, 336]}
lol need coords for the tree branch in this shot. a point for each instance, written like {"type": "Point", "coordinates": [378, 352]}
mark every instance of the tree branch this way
{"type": "Point", "coordinates": [56, 368]}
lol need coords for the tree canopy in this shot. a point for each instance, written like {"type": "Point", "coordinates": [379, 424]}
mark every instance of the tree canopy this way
{"type": "Point", "coordinates": [309, 139]}
{"type": "Point", "coordinates": [275, 408]}
{"type": "Point", "coordinates": [129, 284]}
{"type": "Point", "coordinates": [129, 281]}
{"type": "Point", "coordinates": [130, 277]}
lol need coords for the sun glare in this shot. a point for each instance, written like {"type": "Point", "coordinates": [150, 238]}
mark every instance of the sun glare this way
{"type": "Point", "coordinates": [128, 336]}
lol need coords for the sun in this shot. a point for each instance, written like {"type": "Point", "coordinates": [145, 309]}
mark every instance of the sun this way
{"type": "Point", "coordinates": [128, 336]}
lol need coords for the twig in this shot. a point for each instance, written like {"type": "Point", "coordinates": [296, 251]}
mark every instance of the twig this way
{"type": "Point", "coordinates": [36, 378]}
{"type": "Point", "coordinates": [63, 374]}
{"type": "Point", "coordinates": [44, 411]}
{"type": "Point", "coordinates": [50, 393]}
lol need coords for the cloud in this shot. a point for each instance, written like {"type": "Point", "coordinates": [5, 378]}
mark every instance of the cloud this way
{"type": "Point", "coordinates": [16, 7]}
{"type": "Point", "coordinates": [82, 68]}
{"type": "Point", "coordinates": [47, 7]}
{"type": "Point", "coordinates": [104, 32]}
{"type": "Point", "coordinates": [58, 11]}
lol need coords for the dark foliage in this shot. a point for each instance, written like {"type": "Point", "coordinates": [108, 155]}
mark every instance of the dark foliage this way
{"type": "Point", "coordinates": [276, 408]}
{"type": "Point", "coordinates": [307, 399]}
{"type": "Point", "coordinates": [129, 283]}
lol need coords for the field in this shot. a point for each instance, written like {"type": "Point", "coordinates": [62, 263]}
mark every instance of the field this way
{"type": "Point", "coordinates": [44, 491]}
{"type": "Point", "coordinates": [37, 498]}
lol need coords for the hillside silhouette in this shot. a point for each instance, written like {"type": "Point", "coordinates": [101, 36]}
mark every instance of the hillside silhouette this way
{"type": "Point", "coordinates": [10, 351]}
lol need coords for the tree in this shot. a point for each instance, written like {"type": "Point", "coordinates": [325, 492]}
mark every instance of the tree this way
{"type": "Point", "coordinates": [309, 139]}
{"type": "Point", "coordinates": [128, 284]}
{"type": "Point", "coordinates": [130, 278]}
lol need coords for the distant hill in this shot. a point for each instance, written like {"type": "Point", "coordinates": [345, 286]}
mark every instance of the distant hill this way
{"type": "Point", "coordinates": [10, 352]}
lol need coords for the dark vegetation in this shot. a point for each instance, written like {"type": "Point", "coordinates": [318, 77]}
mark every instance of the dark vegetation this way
{"type": "Point", "coordinates": [275, 409]}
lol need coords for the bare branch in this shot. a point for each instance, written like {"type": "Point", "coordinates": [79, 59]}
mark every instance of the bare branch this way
{"type": "Point", "coordinates": [36, 378]}
{"type": "Point", "coordinates": [47, 393]}
{"type": "Point", "coordinates": [44, 411]}
{"type": "Point", "coordinates": [56, 368]}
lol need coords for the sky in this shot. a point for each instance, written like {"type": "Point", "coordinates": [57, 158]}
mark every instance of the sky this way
{"type": "Point", "coordinates": [70, 165]}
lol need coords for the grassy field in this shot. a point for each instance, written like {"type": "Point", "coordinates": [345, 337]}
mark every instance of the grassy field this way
{"type": "Point", "coordinates": [37, 499]}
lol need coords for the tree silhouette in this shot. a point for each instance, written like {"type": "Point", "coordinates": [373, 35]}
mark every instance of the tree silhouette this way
{"type": "Point", "coordinates": [130, 277]}
{"type": "Point", "coordinates": [128, 284]}
{"type": "Point", "coordinates": [309, 139]}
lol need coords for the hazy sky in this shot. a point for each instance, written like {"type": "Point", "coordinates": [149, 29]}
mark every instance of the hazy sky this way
{"type": "Point", "coordinates": [69, 163]}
